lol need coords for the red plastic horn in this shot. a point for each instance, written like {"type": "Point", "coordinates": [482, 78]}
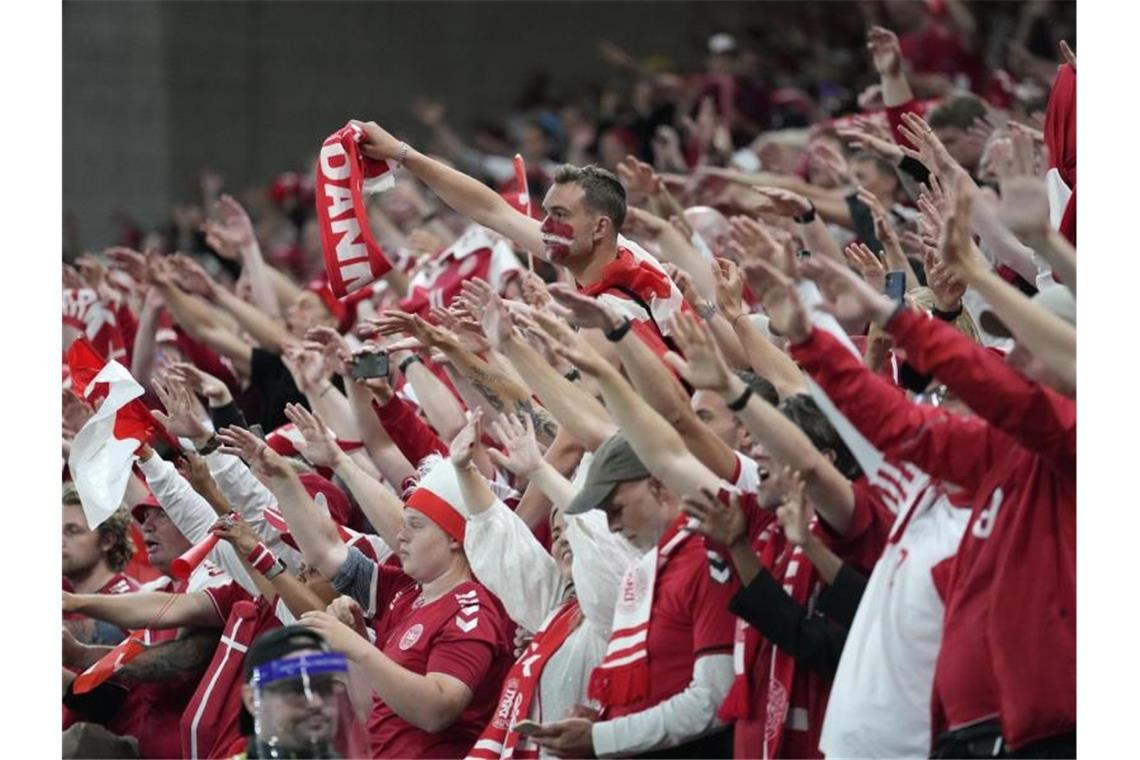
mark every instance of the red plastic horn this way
{"type": "Point", "coordinates": [192, 557]}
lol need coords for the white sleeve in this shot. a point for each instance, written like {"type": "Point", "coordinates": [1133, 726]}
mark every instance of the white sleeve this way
{"type": "Point", "coordinates": [192, 515]}
{"type": "Point", "coordinates": [600, 560]}
{"type": "Point", "coordinates": [679, 719]}
{"type": "Point", "coordinates": [506, 558]}
{"type": "Point", "coordinates": [503, 262]}
{"type": "Point", "coordinates": [251, 498]}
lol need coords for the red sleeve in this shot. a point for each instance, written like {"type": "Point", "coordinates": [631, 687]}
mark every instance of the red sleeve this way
{"type": "Point", "coordinates": [947, 446]}
{"type": "Point", "coordinates": [412, 436]}
{"type": "Point", "coordinates": [128, 327]}
{"type": "Point", "coordinates": [871, 523]}
{"type": "Point", "coordinates": [465, 659]}
{"type": "Point", "coordinates": [894, 119]}
{"type": "Point", "coordinates": [390, 580]}
{"type": "Point", "coordinates": [714, 627]}
{"type": "Point", "coordinates": [1039, 418]}
{"type": "Point", "coordinates": [225, 597]}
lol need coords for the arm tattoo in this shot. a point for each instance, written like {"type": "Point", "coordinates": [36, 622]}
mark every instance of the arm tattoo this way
{"type": "Point", "coordinates": [182, 659]}
{"type": "Point", "coordinates": [544, 424]}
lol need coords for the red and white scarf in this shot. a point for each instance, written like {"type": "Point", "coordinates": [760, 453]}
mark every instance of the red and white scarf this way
{"type": "Point", "coordinates": [353, 258]}
{"type": "Point", "coordinates": [499, 740]}
{"type": "Point", "coordinates": [623, 676]}
{"type": "Point", "coordinates": [787, 563]}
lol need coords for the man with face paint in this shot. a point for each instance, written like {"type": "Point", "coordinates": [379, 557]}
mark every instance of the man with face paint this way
{"type": "Point", "coordinates": [585, 210]}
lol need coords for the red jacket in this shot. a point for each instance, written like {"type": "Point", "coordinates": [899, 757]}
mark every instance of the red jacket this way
{"type": "Point", "coordinates": [1009, 640]}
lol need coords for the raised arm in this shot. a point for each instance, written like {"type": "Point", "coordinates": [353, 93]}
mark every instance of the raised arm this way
{"type": "Point", "coordinates": [314, 531]}
{"type": "Point", "coordinates": [656, 443]}
{"type": "Point", "coordinates": [142, 609]}
{"type": "Point", "coordinates": [465, 194]}
{"type": "Point", "coordinates": [786, 443]}
{"type": "Point", "coordinates": [234, 228]}
{"type": "Point", "coordinates": [655, 383]}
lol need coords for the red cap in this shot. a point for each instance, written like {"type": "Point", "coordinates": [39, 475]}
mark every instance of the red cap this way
{"type": "Point", "coordinates": [344, 310]}
{"type": "Point", "coordinates": [138, 510]}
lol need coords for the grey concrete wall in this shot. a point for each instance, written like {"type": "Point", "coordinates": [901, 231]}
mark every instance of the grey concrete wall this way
{"type": "Point", "coordinates": [154, 91]}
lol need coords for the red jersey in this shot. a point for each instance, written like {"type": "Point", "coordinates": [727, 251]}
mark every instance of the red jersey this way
{"type": "Point", "coordinates": [476, 253]}
{"type": "Point", "coordinates": [1015, 570]}
{"type": "Point", "coordinates": [464, 634]}
{"type": "Point", "coordinates": [210, 725]}
{"type": "Point", "coordinates": [689, 619]}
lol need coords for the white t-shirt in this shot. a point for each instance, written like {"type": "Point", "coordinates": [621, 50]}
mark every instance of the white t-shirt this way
{"type": "Point", "coordinates": [880, 698]}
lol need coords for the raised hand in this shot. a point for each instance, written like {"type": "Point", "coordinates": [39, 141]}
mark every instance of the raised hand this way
{"type": "Point", "coordinates": [947, 287]}
{"type": "Point", "coordinates": [684, 282]}
{"type": "Point", "coordinates": [703, 365]}
{"type": "Point", "coordinates": [571, 346]}
{"type": "Point", "coordinates": [494, 317]}
{"type": "Point", "coordinates": [957, 246]}
{"type": "Point", "coordinates": [235, 228]}
{"type": "Point", "coordinates": [777, 292]}
{"type": "Point", "coordinates": [320, 447]}
{"type": "Point", "coordinates": [886, 53]}
{"type": "Point", "coordinates": [723, 523]}
{"type": "Point", "coordinates": [534, 290]}
{"type": "Point", "coordinates": [184, 415]}
{"type": "Point", "coordinates": [76, 412]}
{"type": "Point", "coordinates": [522, 457]}
{"type": "Point", "coordinates": [795, 514]}
{"type": "Point", "coordinates": [868, 264]}
{"type": "Point", "coordinates": [1025, 206]}
{"type": "Point", "coordinates": [850, 298]}
{"type": "Point", "coordinates": [751, 240]}
{"type": "Point", "coordinates": [729, 287]}
{"type": "Point", "coordinates": [130, 261]}
{"type": "Point", "coordinates": [466, 441]}
{"type": "Point", "coordinates": [192, 276]}
{"type": "Point", "coordinates": [639, 176]}
{"type": "Point", "coordinates": [308, 367]}
{"type": "Point", "coordinates": [830, 163]}
{"type": "Point", "coordinates": [337, 353]}
{"type": "Point", "coordinates": [197, 472]}
{"type": "Point", "coordinates": [861, 137]}
{"type": "Point", "coordinates": [378, 143]}
{"type": "Point", "coordinates": [237, 533]}
{"type": "Point", "coordinates": [583, 311]}
{"type": "Point", "coordinates": [242, 443]}
{"type": "Point", "coordinates": [783, 202]}
{"type": "Point", "coordinates": [930, 150]}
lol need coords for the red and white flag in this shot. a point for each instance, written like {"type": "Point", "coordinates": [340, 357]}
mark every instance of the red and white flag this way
{"type": "Point", "coordinates": [104, 448]}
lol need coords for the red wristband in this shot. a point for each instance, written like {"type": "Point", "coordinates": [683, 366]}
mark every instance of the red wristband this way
{"type": "Point", "coordinates": [261, 558]}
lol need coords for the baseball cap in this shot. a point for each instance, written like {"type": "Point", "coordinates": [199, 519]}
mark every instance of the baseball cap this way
{"type": "Point", "coordinates": [278, 643]}
{"type": "Point", "coordinates": [1056, 299]}
{"type": "Point", "coordinates": [614, 463]}
{"type": "Point", "coordinates": [138, 511]}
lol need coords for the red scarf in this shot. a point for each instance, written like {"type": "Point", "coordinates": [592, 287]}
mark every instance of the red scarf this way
{"type": "Point", "coordinates": [352, 256]}
{"type": "Point", "coordinates": [751, 651]}
{"type": "Point", "coordinates": [499, 739]}
{"type": "Point", "coordinates": [628, 272]}
{"type": "Point", "coordinates": [623, 676]}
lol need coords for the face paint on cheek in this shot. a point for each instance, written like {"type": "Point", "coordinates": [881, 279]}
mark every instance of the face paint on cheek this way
{"type": "Point", "coordinates": [557, 237]}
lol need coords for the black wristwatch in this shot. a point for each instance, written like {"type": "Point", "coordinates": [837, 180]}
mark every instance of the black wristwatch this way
{"type": "Point", "coordinates": [619, 332]}
{"type": "Point", "coordinates": [806, 217]}
{"type": "Point", "coordinates": [210, 446]}
{"type": "Point", "coordinates": [947, 316]}
{"type": "Point", "coordinates": [409, 361]}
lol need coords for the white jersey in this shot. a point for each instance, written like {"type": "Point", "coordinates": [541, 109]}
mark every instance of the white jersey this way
{"type": "Point", "coordinates": [880, 698]}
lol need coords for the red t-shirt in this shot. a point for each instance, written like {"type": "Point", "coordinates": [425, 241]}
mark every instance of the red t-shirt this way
{"type": "Point", "coordinates": [210, 725]}
{"type": "Point", "coordinates": [463, 634]}
{"type": "Point", "coordinates": [689, 619]}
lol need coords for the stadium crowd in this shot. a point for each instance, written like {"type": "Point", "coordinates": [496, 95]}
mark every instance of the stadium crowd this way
{"type": "Point", "coordinates": [744, 427]}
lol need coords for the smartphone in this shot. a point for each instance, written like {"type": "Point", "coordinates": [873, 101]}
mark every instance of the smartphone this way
{"type": "Point", "coordinates": [527, 727]}
{"type": "Point", "coordinates": [896, 285]}
{"type": "Point", "coordinates": [373, 364]}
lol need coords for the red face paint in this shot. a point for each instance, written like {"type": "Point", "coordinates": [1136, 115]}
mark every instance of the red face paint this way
{"type": "Point", "coordinates": [557, 237]}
